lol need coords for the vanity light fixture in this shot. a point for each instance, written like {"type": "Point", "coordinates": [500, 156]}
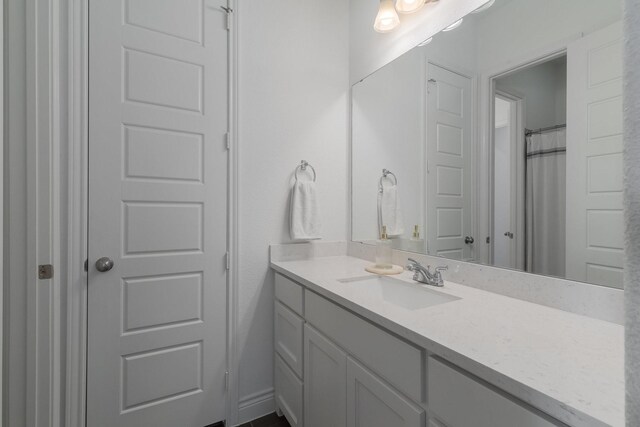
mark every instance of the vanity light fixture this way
{"type": "Point", "coordinates": [387, 18]}
{"type": "Point", "coordinates": [454, 25]}
{"type": "Point", "coordinates": [409, 6]}
{"type": "Point", "coordinates": [484, 7]}
{"type": "Point", "coordinates": [426, 42]}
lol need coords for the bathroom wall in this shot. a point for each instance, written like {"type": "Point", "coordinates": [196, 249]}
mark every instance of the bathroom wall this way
{"type": "Point", "coordinates": [543, 88]}
{"type": "Point", "coordinates": [293, 103]}
{"type": "Point", "coordinates": [388, 132]}
{"type": "Point", "coordinates": [519, 28]}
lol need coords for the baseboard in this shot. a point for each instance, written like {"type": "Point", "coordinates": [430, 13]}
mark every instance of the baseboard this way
{"type": "Point", "coordinates": [256, 405]}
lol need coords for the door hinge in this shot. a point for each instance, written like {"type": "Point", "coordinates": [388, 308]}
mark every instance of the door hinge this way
{"type": "Point", "coordinates": [45, 271]}
{"type": "Point", "coordinates": [229, 12]}
{"type": "Point", "coordinates": [227, 140]}
{"type": "Point", "coordinates": [226, 381]}
{"type": "Point", "coordinates": [228, 260]}
{"type": "Point", "coordinates": [86, 265]}
{"type": "Point", "coordinates": [488, 240]}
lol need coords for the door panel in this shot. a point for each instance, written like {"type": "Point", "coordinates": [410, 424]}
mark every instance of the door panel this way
{"type": "Point", "coordinates": [158, 115]}
{"type": "Point", "coordinates": [595, 243]}
{"type": "Point", "coordinates": [448, 163]}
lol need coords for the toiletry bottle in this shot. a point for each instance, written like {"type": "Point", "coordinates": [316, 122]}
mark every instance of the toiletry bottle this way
{"type": "Point", "coordinates": [383, 250]}
{"type": "Point", "coordinates": [416, 244]}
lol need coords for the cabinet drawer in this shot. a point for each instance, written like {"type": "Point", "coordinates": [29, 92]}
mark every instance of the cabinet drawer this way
{"type": "Point", "coordinates": [396, 361]}
{"type": "Point", "coordinates": [288, 393]}
{"type": "Point", "coordinates": [460, 401]}
{"type": "Point", "coordinates": [289, 293]}
{"type": "Point", "coordinates": [288, 337]}
{"type": "Point", "coordinates": [372, 403]}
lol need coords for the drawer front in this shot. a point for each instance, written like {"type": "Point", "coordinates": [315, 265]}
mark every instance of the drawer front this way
{"type": "Point", "coordinates": [372, 403]}
{"type": "Point", "coordinates": [288, 337]}
{"type": "Point", "coordinates": [289, 293]}
{"type": "Point", "coordinates": [460, 401]}
{"type": "Point", "coordinates": [289, 393]}
{"type": "Point", "coordinates": [396, 361]}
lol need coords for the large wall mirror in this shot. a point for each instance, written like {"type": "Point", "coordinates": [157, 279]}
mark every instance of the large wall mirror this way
{"type": "Point", "coordinates": [499, 141]}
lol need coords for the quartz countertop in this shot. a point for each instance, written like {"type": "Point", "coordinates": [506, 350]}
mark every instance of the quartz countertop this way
{"type": "Point", "coordinates": [567, 365]}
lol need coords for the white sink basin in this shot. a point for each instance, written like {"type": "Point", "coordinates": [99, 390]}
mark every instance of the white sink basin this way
{"type": "Point", "coordinates": [407, 295]}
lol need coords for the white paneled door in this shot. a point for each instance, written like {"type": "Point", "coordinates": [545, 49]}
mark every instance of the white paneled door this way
{"type": "Point", "coordinates": [595, 236]}
{"type": "Point", "coordinates": [449, 164]}
{"type": "Point", "coordinates": [158, 115]}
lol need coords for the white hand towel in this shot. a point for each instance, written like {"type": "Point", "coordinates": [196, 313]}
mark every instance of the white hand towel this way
{"type": "Point", "coordinates": [304, 215]}
{"type": "Point", "coordinates": [389, 212]}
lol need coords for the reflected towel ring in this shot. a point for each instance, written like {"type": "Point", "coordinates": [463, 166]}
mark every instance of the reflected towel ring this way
{"type": "Point", "coordinates": [385, 174]}
{"type": "Point", "coordinates": [303, 167]}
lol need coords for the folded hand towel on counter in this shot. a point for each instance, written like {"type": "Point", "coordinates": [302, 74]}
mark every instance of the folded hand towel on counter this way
{"type": "Point", "coordinates": [304, 215]}
{"type": "Point", "coordinates": [389, 212]}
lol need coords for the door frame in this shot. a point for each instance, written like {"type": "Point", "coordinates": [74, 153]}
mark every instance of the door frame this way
{"type": "Point", "coordinates": [54, 217]}
{"type": "Point", "coordinates": [487, 88]}
{"type": "Point", "coordinates": [516, 131]}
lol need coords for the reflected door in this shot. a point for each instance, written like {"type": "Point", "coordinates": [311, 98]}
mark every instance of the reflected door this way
{"type": "Point", "coordinates": [595, 236]}
{"type": "Point", "coordinates": [157, 208]}
{"type": "Point", "coordinates": [449, 159]}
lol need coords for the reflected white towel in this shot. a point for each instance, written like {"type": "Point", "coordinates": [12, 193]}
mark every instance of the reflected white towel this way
{"type": "Point", "coordinates": [389, 212]}
{"type": "Point", "coordinates": [304, 216]}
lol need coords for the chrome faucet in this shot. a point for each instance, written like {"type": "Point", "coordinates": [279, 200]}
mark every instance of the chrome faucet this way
{"type": "Point", "coordinates": [424, 275]}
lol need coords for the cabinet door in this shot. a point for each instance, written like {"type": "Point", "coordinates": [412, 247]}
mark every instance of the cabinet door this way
{"type": "Point", "coordinates": [325, 373]}
{"type": "Point", "coordinates": [372, 403]}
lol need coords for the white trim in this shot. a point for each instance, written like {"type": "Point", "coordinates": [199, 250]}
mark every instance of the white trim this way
{"type": "Point", "coordinates": [2, 216]}
{"type": "Point", "coordinates": [233, 362]}
{"type": "Point", "coordinates": [256, 405]}
{"type": "Point", "coordinates": [43, 216]}
{"type": "Point", "coordinates": [76, 205]}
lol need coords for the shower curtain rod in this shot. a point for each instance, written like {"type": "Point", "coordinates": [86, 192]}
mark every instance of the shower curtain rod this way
{"type": "Point", "coordinates": [528, 132]}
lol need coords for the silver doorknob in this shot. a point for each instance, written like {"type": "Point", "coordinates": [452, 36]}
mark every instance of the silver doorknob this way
{"type": "Point", "coordinates": [469, 240]}
{"type": "Point", "coordinates": [104, 264]}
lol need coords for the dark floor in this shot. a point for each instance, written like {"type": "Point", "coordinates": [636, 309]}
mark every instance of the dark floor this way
{"type": "Point", "coordinates": [271, 420]}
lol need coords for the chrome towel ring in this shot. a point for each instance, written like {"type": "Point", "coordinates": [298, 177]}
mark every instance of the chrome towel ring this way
{"type": "Point", "coordinates": [386, 174]}
{"type": "Point", "coordinates": [303, 167]}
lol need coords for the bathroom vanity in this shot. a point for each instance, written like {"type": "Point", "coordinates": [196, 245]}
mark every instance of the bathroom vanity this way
{"type": "Point", "coordinates": [355, 349]}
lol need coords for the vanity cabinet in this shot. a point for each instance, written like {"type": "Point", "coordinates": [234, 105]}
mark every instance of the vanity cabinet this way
{"type": "Point", "coordinates": [335, 368]}
{"type": "Point", "coordinates": [458, 400]}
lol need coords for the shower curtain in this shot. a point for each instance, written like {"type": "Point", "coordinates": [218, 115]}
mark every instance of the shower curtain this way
{"type": "Point", "coordinates": [546, 202]}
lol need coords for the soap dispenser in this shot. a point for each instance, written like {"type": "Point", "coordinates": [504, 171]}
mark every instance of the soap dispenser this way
{"type": "Point", "coordinates": [384, 250]}
{"type": "Point", "coordinates": [416, 244]}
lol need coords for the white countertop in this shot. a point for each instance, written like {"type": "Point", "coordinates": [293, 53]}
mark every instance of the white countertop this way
{"type": "Point", "coordinates": [567, 365]}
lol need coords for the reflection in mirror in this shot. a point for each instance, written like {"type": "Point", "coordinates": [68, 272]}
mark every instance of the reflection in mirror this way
{"type": "Point", "coordinates": [500, 142]}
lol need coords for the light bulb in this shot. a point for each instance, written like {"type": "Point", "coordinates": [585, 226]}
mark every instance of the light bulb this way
{"type": "Point", "coordinates": [484, 7]}
{"type": "Point", "coordinates": [387, 18]}
{"type": "Point", "coordinates": [409, 6]}
{"type": "Point", "coordinates": [454, 25]}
